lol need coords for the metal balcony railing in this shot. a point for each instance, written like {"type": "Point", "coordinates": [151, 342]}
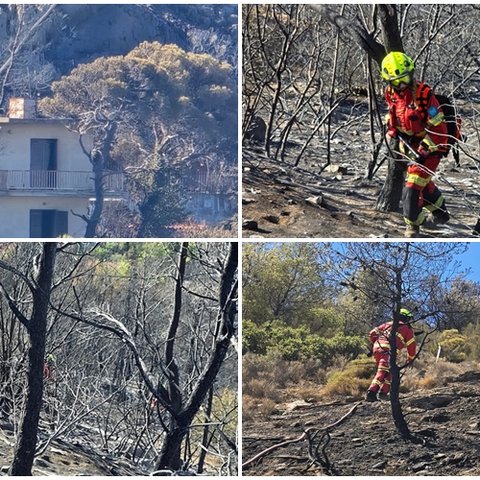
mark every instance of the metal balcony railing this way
{"type": "Point", "coordinates": [53, 180]}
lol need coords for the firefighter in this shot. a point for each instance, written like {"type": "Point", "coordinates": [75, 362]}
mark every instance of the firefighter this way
{"type": "Point", "coordinates": [415, 114]}
{"type": "Point", "coordinates": [49, 367]}
{"type": "Point", "coordinates": [379, 337]}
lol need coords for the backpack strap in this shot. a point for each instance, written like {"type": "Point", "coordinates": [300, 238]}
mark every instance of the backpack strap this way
{"type": "Point", "coordinates": [422, 99]}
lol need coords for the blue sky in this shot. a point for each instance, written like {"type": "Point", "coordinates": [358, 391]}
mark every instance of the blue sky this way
{"type": "Point", "coordinates": [471, 259]}
{"type": "Point", "coordinates": [468, 260]}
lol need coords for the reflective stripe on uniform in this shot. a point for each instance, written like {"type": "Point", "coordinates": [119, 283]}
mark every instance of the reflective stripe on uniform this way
{"type": "Point", "coordinates": [436, 120]}
{"type": "Point", "coordinates": [429, 143]}
{"type": "Point", "coordinates": [416, 179]}
{"type": "Point", "coordinates": [400, 336]}
{"type": "Point", "coordinates": [435, 206]}
{"type": "Point", "coordinates": [420, 219]}
{"type": "Point", "coordinates": [410, 342]}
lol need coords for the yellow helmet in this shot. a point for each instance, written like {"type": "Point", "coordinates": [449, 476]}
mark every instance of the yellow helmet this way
{"type": "Point", "coordinates": [406, 313]}
{"type": "Point", "coordinates": [397, 66]}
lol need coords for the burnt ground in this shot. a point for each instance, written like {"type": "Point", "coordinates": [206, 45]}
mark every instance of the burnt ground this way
{"type": "Point", "coordinates": [275, 194]}
{"type": "Point", "coordinates": [74, 457]}
{"type": "Point", "coordinates": [445, 420]}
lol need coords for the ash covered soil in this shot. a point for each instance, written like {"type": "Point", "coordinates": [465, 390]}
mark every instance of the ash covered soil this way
{"type": "Point", "coordinates": [75, 457]}
{"type": "Point", "coordinates": [445, 420]}
{"type": "Point", "coordinates": [282, 201]}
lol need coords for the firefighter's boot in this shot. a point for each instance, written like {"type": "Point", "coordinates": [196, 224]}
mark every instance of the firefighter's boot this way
{"type": "Point", "coordinates": [412, 231]}
{"type": "Point", "coordinates": [371, 396]}
{"type": "Point", "coordinates": [440, 216]}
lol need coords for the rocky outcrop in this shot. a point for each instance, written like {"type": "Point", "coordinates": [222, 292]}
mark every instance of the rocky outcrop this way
{"type": "Point", "coordinates": [78, 33]}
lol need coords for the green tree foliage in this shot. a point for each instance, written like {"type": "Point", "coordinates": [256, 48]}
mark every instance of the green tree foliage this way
{"type": "Point", "coordinates": [282, 282]}
{"type": "Point", "coordinates": [164, 204]}
{"type": "Point", "coordinates": [165, 107]}
{"type": "Point", "coordinates": [460, 303]}
{"type": "Point", "coordinates": [361, 302]}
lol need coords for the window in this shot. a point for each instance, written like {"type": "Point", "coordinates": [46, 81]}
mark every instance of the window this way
{"type": "Point", "coordinates": [43, 162]}
{"type": "Point", "coordinates": [48, 223]}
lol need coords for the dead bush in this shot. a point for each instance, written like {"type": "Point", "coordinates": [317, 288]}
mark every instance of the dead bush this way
{"type": "Point", "coordinates": [192, 229]}
{"type": "Point", "coordinates": [306, 390]}
{"type": "Point", "coordinates": [428, 373]}
{"type": "Point", "coordinates": [281, 373]}
{"type": "Point", "coordinates": [261, 388]}
{"type": "Point", "coordinates": [252, 408]}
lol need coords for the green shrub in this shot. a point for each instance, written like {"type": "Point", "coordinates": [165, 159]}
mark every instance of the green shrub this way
{"type": "Point", "coordinates": [453, 345]}
{"type": "Point", "coordinates": [353, 380]}
{"type": "Point", "coordinates": [255, 338]}
{"type": "Point", "coordinates": [278, 340]}
{"type": "Point", "coordinates": [347, 346]}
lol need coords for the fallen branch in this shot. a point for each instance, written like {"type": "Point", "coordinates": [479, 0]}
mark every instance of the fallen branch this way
{"type": "Point", "coordinates": [305, 435]}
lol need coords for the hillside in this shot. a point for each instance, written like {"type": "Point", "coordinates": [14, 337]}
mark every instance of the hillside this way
{"type": "Point", "coordinates": [91, 31]}
{"type": "Point", "coordinates": [444, 420]}
{"type": "Point", "coordinates": [75, 34]}
{"type": "Point", "coordinates": [283, 201]}
{"type": "Point", "coordinates": [71, 457]}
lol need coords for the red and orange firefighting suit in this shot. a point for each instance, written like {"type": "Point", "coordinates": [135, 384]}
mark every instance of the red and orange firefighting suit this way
{"type": "Point", "coordinates": [420, 118]}
{"type": "Point", "coordinates": [381, 352]}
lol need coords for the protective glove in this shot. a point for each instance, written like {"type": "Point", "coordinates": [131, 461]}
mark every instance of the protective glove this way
{"type": "Point", "coordinates": [369, 353]}
{"type": "Point", "coordinates": [392, 132]}
{"type": "Point", "coordinates": [423, 151]}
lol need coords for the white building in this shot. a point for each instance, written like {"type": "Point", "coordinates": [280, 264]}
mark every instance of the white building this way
{"type": "Point", "coordinates": [46, 179]}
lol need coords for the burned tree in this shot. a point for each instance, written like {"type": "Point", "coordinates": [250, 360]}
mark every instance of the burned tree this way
{"type": "Point", "coordinates": [385, 19]}
{"type": "Point", "coordinates": [178, 359]}
{"type": "Point", "coordinates": [405, 272]}
{"type": "Point", "coordinates": [39, 281]}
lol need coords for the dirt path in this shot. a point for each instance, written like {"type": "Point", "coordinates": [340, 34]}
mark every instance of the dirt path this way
{"type": "Point", "coordinates": [446, 420]}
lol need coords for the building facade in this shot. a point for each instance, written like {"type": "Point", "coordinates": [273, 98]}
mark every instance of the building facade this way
{"type": "Point", "coordinates": [46, 180]}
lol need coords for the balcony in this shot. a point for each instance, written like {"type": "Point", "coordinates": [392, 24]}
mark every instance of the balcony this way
{"type": "Point", "coordinates": [52, 182]}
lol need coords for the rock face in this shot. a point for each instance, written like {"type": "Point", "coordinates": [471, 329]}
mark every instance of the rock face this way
{"type": "Point", "coordinates": [78, 33]}
{"type": "Point", "coordinates": [97, 30]}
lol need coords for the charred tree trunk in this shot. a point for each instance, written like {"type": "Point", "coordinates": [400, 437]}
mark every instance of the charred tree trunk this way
{"type": "Point", "coordinates": [206, 432]}
{"type": "Point", "coordinates": [36, 327]}
{"type": "Point", "coordinates": [179, 424]}
{"type": "Point", "coordinates": [170, 453]}
{"type": "Point", "coordinates": [397, 413]}
{"type": "Point", "coordinates": [391, 33]}
{"type": "Point", "coordinates": [391, 194]}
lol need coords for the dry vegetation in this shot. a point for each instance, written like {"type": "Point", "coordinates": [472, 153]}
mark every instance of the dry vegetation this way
{"type": "Point", "coordinates": [269, 384]}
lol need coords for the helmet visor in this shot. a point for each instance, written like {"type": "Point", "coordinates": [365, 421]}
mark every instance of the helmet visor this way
{"type": "Point", "coordinates": [398, 82]}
